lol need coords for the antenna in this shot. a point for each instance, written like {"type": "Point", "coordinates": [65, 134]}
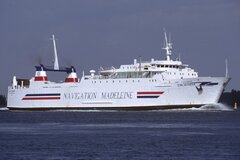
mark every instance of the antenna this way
{"type": "Point", "coordinates": [226, 73]}
{"type": "Point", "coordinates": [168, 46]}
{"type": "Point", "coordinates": [56, 66]}
{"type": "Point", "coordinates": [140, 63]}
{"type": "Point", "coordinates": [169, 35]}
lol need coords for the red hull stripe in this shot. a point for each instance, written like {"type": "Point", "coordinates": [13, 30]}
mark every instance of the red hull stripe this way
{"type": "Point", "coordinates": [40, 78]}
{"type": "Point", "coordinates": [42, 98]}
{"type": "Point", "coordinates": [149, 92]}
{"type": "Point", "coordinates": [71, 80]}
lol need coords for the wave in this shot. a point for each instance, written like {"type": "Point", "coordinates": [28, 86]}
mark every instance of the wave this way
{"type": "Point", "coordinates": [207, 107]}
{"type": "Point", "coordinates": [3, 109]}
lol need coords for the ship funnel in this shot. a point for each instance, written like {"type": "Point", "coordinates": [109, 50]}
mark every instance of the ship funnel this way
{"type": "Point", "coordinates": [72, 75]}
{"type": "Point", "coordinates": [41, 74]}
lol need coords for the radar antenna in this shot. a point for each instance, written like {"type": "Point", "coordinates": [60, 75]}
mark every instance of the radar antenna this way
{"type": "Point", "coordinates": [56, 66]}
{"type": "Point", "coordinates": [167, 47]}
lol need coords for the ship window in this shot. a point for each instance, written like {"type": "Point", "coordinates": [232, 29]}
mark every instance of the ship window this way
{"type": "Point", "coordinates": [138, 80]}
{"type": "Point", "coordinates": [166, 66]}
{"type": "Point", "coordinates": [171, 66]}
{"type": "Point", "coordinates": [162, 66]}
{"type": "Point", "coordinates": [113, 81]}
{"type": "Point", "coordinates": [119, 81]}
{"type": "Point", "coordinates": [158, 66]}
{"type": "Point", "coordinates": [126, 81]}
{"type": "Point", "coordinates": [133, 81]}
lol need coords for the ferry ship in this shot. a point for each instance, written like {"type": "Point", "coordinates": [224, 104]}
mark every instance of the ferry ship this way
{"type": "Point", "coordinates": [151, 85]}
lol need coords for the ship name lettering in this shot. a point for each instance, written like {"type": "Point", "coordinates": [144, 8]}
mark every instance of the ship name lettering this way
{"type": "Point", "coordinates": [117, 95]}
{"type": "Point", "coordinates": [77, 95]}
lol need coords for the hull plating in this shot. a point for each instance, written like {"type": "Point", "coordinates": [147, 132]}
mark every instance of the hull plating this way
{"type": "Point", "coordinates": [110, 94]}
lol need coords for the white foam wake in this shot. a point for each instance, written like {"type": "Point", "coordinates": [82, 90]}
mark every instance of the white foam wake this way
{"type": "Point", "coordinates": [207, 107]}
{"type": "Point", "coordinates": [3, 108]}
{"type": "Point", "coordinates": [216, 107]}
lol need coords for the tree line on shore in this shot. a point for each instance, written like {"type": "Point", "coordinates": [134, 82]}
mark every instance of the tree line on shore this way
{"type": "Point", "coordinates": [3, 100]}
{"type": "Point", "coordinates": [230, 98]}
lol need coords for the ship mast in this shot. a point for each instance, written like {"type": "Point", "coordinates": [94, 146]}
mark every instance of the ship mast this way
{"type": "Point", "coordinates": [56, 66]}
{"type": "Point", "coordinates": [168, 47]}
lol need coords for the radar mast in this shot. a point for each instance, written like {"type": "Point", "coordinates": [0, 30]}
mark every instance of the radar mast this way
{"type": "Point", "coordinates": [56, 66]}
{"type": "Point", "coordinates": [167, 47]}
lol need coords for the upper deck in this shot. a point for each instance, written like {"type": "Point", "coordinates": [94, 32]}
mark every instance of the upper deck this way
{"type": "Point", "coordinates": [169, 69]}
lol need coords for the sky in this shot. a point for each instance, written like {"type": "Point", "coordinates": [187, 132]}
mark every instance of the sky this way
{"type": "Point", "coordinates": [95, 33]}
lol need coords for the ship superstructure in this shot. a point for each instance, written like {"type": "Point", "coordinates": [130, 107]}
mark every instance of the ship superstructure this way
{"type": "Point", "coordinates": [156, 84]}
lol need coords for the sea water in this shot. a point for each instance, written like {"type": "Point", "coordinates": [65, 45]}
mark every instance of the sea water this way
{"type": "Point", "coordinates": [211, 132]}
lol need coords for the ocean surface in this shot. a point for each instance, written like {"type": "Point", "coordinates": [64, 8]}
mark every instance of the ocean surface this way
{"type": "Point", "coordinates": [202, 134]}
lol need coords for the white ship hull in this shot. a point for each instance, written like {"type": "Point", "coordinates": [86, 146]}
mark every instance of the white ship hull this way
{"type": "Point", "coordinates": [132, 93]}
{"type": "Point", "coordinates": [156, 84]}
